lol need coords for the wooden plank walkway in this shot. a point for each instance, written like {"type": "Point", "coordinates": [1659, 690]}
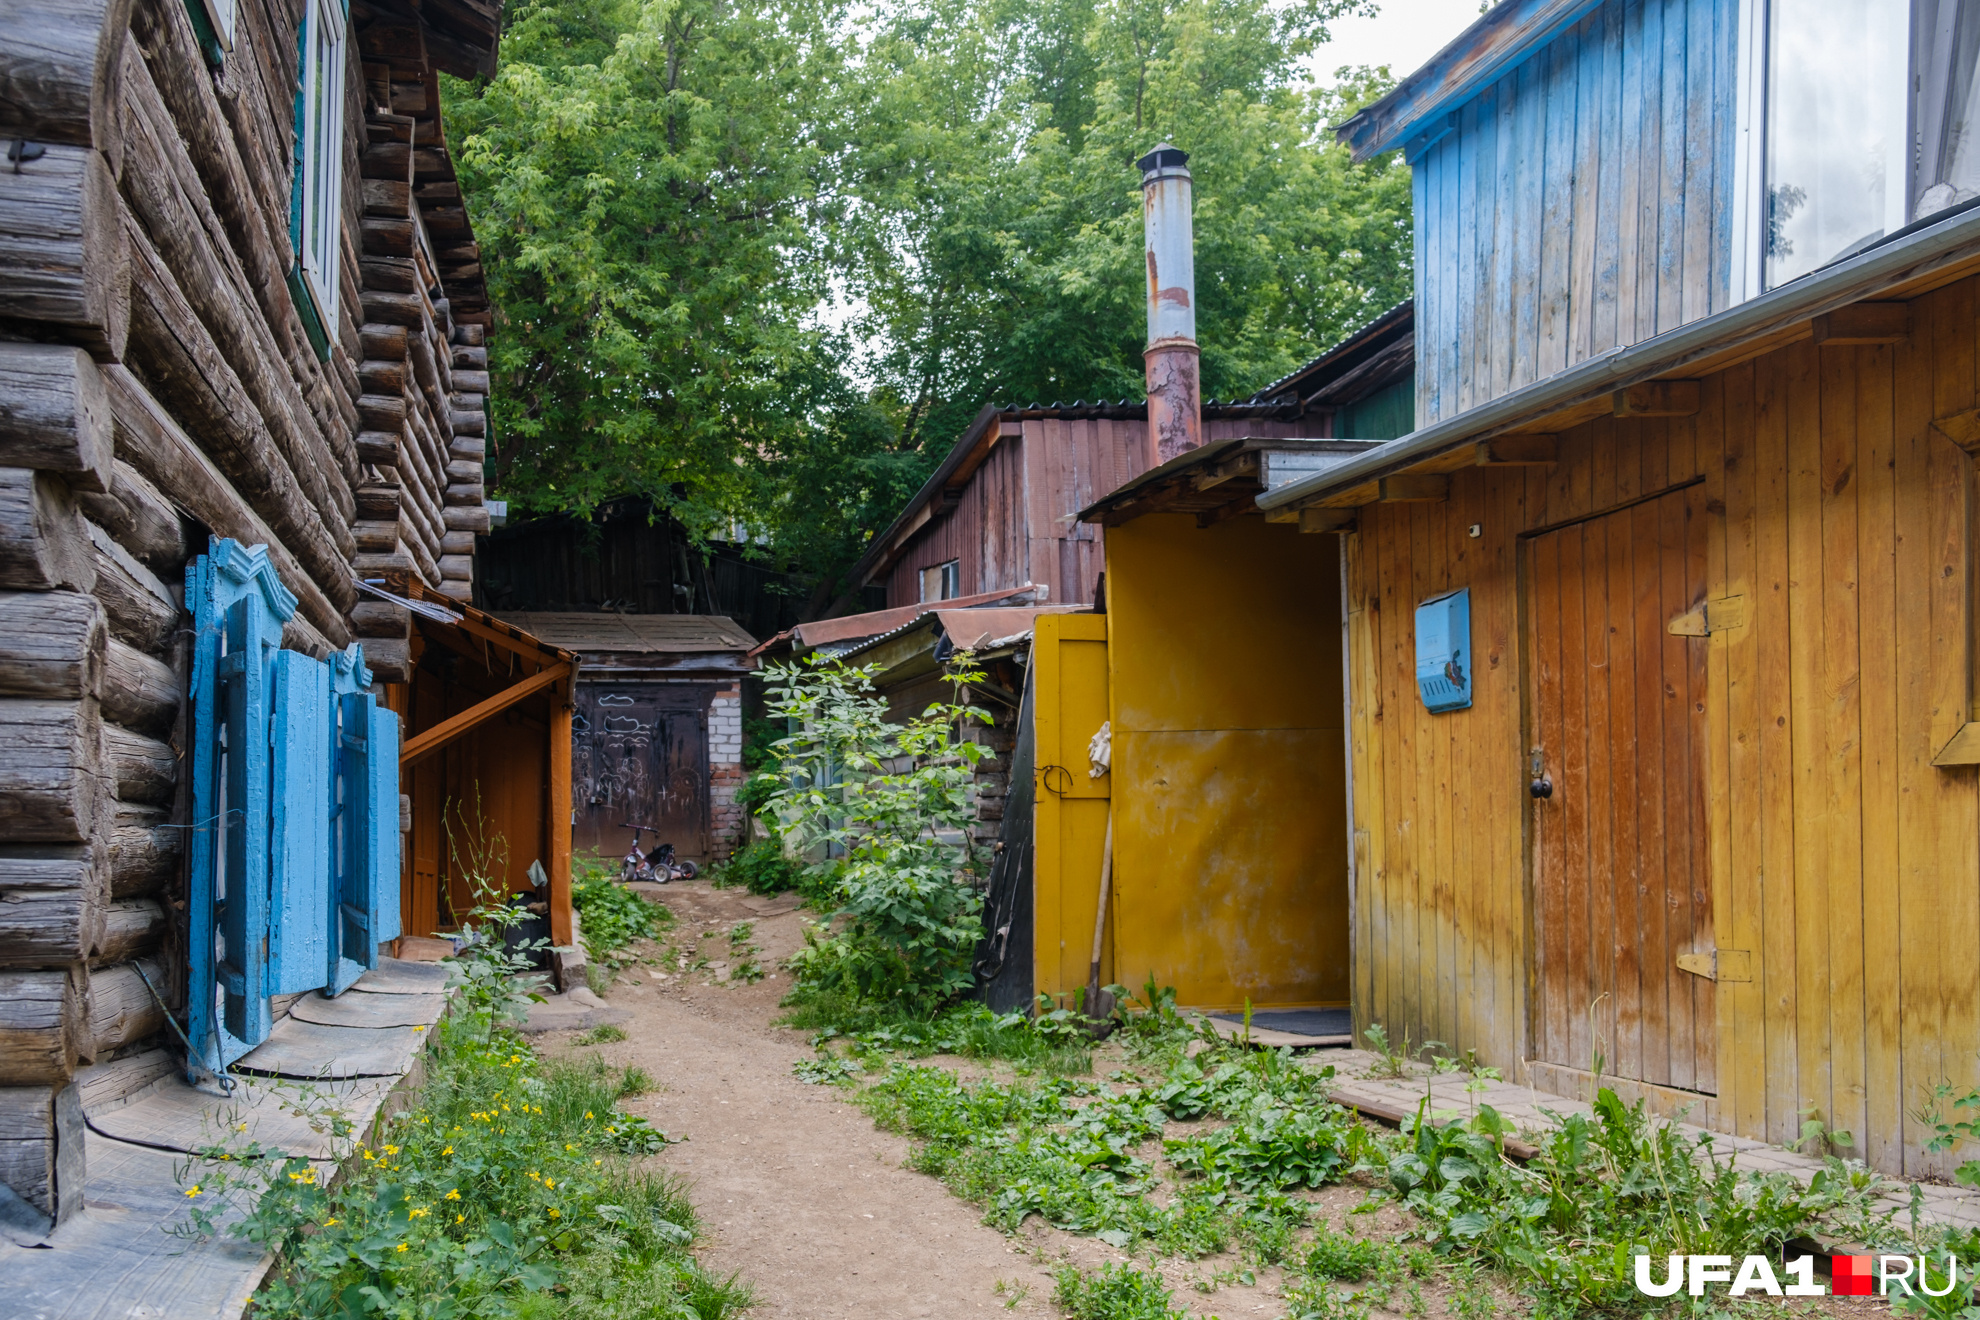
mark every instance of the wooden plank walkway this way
{"type": "Point", "coordinates": [123, 1257]}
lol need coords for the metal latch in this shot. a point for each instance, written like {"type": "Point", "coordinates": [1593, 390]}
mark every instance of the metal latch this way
{"type": "Point", "coordinates": [1729, 965]}
{"type": "Point", "coordinates": [1713, 616]}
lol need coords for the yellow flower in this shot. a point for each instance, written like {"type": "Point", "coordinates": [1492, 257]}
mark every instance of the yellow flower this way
{"type": "Point", "coordinates": [418, 1028]}
{"type": "Point", "coordinates": [555, 1213]}
{"type": "Point", "coordinates": [448, 1151]}
{"type": "Point", "coordinates": [569, 1146]}
{"type": "Point", "coordinates": [240, 1127]}
{"type": "Point", "coordinates": [587, 1113]}
{"type": "Point", "coordinates": [332, 1223]}
{"type": "Point", "coordinates": [193, 1190]}
{"type": "Point", "coordinates": [454, 1195]}
{"type": "Point", "coordinates": [402, 1246]}
{"type": "Point", "coordinates": [415, 1214]}
{"type": "Point", "coordinates": [391, 1150]}
{"type": "Point", "coordinates": [459, 1218]}
{"type": "Point", "coordinates": [549, 1182]}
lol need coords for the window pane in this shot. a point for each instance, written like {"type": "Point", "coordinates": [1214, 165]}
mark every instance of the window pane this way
{"type": "Point", "coordinates": [1836, 129]}
{"type": "Point", "coordinates": [1949, 106]}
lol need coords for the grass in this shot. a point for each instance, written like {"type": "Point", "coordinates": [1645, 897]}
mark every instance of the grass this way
{"type": "Point", "coordinates": [1560, 1232]}
{"type": "Point", "coordinates": [604, 1034]}
{"type": "Point", "coordinates": [513, 1188]}
{"type": "Point", "coordinates": [968, 1030]}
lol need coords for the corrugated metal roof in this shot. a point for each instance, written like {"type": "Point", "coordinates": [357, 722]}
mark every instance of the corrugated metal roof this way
{"type": "Point", "coordinates": [643, 634]}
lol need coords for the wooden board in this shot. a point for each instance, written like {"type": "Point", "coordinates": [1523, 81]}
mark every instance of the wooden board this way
{"type": "Point", "coordinates": [116, 1261]}
{"type": "Point", "coordinates": [308, 1050]}
{"type": "Point", "coordinates": [282, 1115]}
{"type": "Point", "coordinates": [399, 976]}
{"type": "Point", "coordinates": [370, 1010]}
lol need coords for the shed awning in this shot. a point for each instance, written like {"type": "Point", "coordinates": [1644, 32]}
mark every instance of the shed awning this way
{"type": "Point", "coordinates": [638, 634]}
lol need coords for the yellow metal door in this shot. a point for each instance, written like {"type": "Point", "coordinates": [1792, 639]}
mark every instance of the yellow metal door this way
{"type": "Point", "coordinates": [1069, 658]}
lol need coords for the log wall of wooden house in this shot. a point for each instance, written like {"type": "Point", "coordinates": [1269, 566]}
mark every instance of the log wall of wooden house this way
{"type": "Point", "coordinates": [158, 386]}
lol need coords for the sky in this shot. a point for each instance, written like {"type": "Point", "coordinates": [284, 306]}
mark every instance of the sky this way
{"type": "Point", "coordinates": [1402, 36]}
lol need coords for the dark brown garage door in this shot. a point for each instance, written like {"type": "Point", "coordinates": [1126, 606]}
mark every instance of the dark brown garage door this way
{"type": "Point", "coordinates": [639, 754]}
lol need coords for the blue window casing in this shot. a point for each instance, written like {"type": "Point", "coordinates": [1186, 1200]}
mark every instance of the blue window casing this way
{"type": "Point", "coordinates": [294, 852]}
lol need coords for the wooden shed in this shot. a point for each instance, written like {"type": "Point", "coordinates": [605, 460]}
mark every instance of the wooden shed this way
{"type": "Point", "coordinates": [1000, 512]}
{"type": "Point", "coordinates": [656, 737]}
{"type": "Point", "coordinates": [243, 374]}
{"type": "Point", "coordinates": [1661, 626]}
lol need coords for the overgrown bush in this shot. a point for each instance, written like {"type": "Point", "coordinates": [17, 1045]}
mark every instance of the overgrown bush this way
{"type": "Point", "coordinates": [883, 810]}
{"type": "Point", "coordinates": [761, 868]}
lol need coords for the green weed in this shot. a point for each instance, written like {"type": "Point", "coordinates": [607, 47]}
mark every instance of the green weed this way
{"type": "Point", "coordinates": [612, 916]}
{"type": "Point", "coordinates": [1117, 1292]}
{"type": "Point", "coordinates": [761, 868]}
{"type": "Point", "coordinates": [604, 1033]}
{"type": "Point", "coordinates": [635, 1081]}
{"type": "Point", "coordinates": [826, 1071]}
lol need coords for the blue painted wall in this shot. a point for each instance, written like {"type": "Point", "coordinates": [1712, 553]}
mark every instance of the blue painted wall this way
{"type": "Point", "coordinates": [1584, 200]}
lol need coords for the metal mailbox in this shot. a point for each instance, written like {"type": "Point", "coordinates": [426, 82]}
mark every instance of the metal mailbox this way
{"type": "Point", "coordinates": [1443, 651]}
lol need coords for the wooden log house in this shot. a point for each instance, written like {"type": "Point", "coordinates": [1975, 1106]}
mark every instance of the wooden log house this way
{"type": "Point", "coordinates": [242, 332]}
{"type": "Point", "coordinates": [1690, 801]}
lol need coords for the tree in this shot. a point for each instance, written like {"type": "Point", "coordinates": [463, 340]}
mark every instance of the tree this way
{"type": "Point", "coordinates": [649, 181]}
{"type": "Point", "coordinates": [667, 190]}
{"type": "Point", "coordinates": [999, 145]}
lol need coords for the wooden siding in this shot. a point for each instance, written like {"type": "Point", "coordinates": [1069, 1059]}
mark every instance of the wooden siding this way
{"type": "Point", "coordinates": [1583, 201]}
{"type": "Point", "coordinates": [1844, 866]}
{"type": "Point", "coordinates": [1015, 522]}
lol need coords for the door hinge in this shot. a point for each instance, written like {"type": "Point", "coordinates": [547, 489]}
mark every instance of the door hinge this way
{"type": "Point", "coordinates": [1730, 965]}
{"type": "Point", "coordinates": [1713, 616]}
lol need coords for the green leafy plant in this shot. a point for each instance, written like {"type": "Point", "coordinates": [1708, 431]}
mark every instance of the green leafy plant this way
{"type": "Point", "coordinates": [612, 916]}
{"type": "Point", "coordinates": [885, 809]}
{"type": "Point", "coordinates": [1954, 1119]}
{"type": "Point", "coordinates": [825, 1071]}
{"type": "Point", "coordinates": [761, 868]}
{"type": "Point", "coordinates": [1116, 1292]}
{"type": "Point", "coordinates": [603, 1034]}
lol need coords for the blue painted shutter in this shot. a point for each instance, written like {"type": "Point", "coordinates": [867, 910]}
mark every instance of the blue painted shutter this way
{"type": "Point", "coordinates": [252, 638]}
{"type": "Point", "coordinates": [299, 831]}
{"type": "Point", "coordinates": [366, 898]}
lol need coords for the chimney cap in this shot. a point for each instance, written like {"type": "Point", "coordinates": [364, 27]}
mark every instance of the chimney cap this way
{"type": "Point", "coordinates": [1164, 157]}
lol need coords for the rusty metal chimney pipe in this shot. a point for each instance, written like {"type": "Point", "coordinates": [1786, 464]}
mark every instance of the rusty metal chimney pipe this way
{"type": "Point", "coordinates": [1174, 370]}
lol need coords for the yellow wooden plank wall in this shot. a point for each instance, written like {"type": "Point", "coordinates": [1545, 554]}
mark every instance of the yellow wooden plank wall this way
{"type": "Point", "coordinates": [1842, 860]}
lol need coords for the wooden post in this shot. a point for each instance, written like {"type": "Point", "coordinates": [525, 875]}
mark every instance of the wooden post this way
{"type": "Point", "coordinates": [559, 809]}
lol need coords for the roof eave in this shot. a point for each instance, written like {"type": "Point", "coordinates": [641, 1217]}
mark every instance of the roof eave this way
{"type": "Point", "coordinates": [1502, 37]}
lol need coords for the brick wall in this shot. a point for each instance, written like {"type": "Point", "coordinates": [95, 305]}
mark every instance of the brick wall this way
{"type": "Point", "coordinates": [725, 771]}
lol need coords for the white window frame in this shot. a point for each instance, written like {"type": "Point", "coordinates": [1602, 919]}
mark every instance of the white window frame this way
{"type": "Point", "coordinates": [320, 171]}
{"type": "Point", "coordinates": [1749, 151]}
{"type": "Point", "coordinates": [946, 578]}
{"type": "Point", "coordinates": [220, 16]}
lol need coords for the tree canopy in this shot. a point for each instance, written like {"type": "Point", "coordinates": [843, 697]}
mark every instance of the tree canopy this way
{"type": "Point", "coordinates": [762, 261]}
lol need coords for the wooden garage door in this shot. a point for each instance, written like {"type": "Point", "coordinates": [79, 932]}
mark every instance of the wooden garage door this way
{"type": "Point", "coordinates": [1618, 727]}
{"type": "Point", "coordinates": [639, 754]}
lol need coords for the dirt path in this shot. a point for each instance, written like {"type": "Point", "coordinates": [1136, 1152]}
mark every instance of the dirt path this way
{"type": "Point", "coordinates": [798, 1191]}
